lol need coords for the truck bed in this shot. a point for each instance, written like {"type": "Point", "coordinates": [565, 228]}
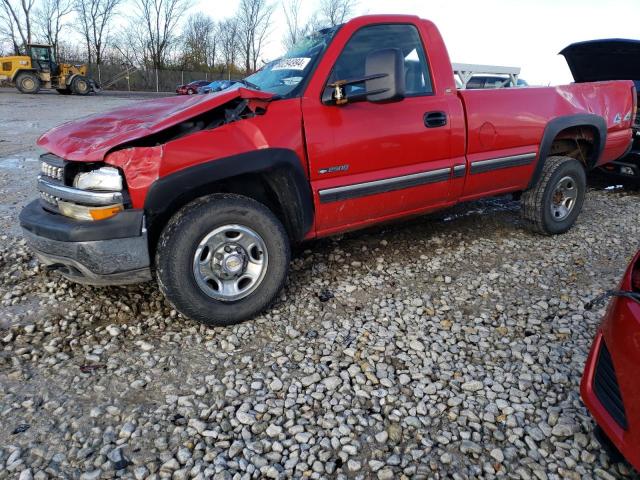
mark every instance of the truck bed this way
{"type": "Point", "coordinates": [512, 122]}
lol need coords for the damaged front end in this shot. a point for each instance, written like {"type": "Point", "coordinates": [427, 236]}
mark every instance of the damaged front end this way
{"type": "Point", "coordinates": [83, 225]}
{"type": "Point", "coordinates": [89, 223]}
{"type": "Point", "coordinates": [150, 123]}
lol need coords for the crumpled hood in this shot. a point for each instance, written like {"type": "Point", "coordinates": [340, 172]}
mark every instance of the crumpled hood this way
{"type": "Point", "coordinates": [599, 60]}
{"type": "Point", "coordinates": [91, 138]}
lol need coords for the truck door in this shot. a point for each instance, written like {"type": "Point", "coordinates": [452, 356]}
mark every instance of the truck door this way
{"type": "Point", "coordinates": [370, 162]}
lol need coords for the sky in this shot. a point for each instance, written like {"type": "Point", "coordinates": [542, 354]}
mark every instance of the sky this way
{"type": "Point", "coordinates": [518, 33]}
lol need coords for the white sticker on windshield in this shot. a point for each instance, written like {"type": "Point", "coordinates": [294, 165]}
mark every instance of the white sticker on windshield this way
{"type": "Point", "coordinates": [292, 64]}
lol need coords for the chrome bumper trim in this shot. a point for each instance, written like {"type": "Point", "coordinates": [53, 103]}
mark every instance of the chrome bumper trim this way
{"type": "Point", "coordinates": [75, 195]}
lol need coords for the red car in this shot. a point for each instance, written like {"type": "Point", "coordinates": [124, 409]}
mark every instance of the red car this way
{"type": "Point", "coordinates": [611, 382]}
{"type": "Point", "coordinates": [361, 124]}
{"type": "Point", "coordinates": [191, 88]}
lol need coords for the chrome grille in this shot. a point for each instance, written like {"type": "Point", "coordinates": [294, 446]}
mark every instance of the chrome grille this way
{"type": "Point", "coordinates": [50, 199]}
{"type": "Point", "coordinates": [52, 167]}
{"type": "Point", "coordinates": [57, 173]}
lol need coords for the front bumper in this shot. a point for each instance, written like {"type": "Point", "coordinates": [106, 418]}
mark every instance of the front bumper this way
{"type": "Point", "coordinates": [105, 252]}
{"type": "Point", "coordinates": [611, 385]}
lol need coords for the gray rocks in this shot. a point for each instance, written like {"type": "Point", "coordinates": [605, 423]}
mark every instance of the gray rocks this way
{"type": "Point", "coordinates": [91, 475]}
{"type": "Point", "coordinates": [310, 379]}
{"type": "Point", "coordinates": [332, 382]}
{"type": "Point", "coordinates": [497, 455]}
{"type": "Point", "coordinates": [276, 385]}
{"type": "Point", "coordinates": [472, 386]}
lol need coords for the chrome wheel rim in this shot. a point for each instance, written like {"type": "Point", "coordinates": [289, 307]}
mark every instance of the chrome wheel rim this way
{"type": "Point", "coordinates": [230, 262]}
{"type": "Point", "coordinates": [563, 198]}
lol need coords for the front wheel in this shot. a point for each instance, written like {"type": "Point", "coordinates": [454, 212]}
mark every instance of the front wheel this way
{"type": "Point", "coordinates": [222, 259]}
{"type": "Point", "coordinates": [28, 82]}
{"type": "Point", "coordinates": [552, 206]}
{"type": "Point", "coordinates": [80, 85]}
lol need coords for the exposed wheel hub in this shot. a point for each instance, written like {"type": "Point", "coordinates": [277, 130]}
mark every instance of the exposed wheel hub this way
{"type": "Point", "coordinates": [563, 198]}
{"type": "Point", "coordinates": [230, 262]}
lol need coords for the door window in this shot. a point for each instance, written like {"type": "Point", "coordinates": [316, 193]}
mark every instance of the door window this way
{"type": "Point", "coordinates": [351, 63]}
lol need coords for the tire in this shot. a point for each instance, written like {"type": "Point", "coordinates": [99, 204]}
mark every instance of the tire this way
{"type": "Point", "coordinates": [547, 207]}
{"type": "Point", "coordinates": [80, 85]}
{"type": "Point", "coordinates": [190, 92]}
{"type": "Point", "coordinates": [180, 254]}
{"type": "Point", "coordinates": [64, 91]}
{"type": "Point", "coordinates": [28, 82]}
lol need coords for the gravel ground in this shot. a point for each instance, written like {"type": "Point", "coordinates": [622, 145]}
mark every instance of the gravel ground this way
{"type": "Point", "coordinates": [447, 347]}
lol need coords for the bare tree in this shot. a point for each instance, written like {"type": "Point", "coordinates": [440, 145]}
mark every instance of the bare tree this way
{"type": "Point", "coordinates": [50, 20]}
{"type": "Point", "coordinates": [94, 19]}
{"type": "Point", "coordinates": [294, 31]}
{"type": "Point", "coordinates": [8, 30]}
{"type": "Point", "coordinates": [130, 44]}
{"type": "Point", "coordinates": [160, 19]}
{"type": "Point", "coordinates": [254, 17]}
{"type": "Point", "coordinates": [228, 38]}
{"type": "Point", "coordinates": [336, 12]}
{"type": "Point", "coordinates": [200, 42]}
{"type": "Point", "coordinates": [16, 22]}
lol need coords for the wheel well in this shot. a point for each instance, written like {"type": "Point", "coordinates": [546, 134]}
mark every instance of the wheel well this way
{"type": "Point", "coordinates": [24, 70]}
{"type": "Point", "coordinates": [578, 142]}
{"type": "Point", "coordinates": [272, 190]}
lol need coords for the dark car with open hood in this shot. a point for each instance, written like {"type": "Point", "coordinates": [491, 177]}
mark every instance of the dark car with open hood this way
{"type": "Point", "coordinates": [603, 60]}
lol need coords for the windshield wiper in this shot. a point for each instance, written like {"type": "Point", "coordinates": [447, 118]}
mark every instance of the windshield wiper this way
{"type": "Point", "coordinates": [249, 84]}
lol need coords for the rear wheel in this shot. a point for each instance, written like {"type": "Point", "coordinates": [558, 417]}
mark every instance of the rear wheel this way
{"type": "Point", "coordinates": [28, 82]}
{"type": "Point", "coordinates": [554, 203]}
{"type": "Point", "coordinates": [80, 85]}
{"type": "Point", "coordinates": [222, 259]}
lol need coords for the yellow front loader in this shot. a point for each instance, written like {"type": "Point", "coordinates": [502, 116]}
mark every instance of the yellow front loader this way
{"type": "Point", "coordinates": [30, 73]}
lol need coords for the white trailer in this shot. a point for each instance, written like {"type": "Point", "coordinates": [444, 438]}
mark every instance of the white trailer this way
{"type": "Point", "coordinates": [465, 71]}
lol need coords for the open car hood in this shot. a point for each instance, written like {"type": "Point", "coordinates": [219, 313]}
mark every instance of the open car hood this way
{"type": "Point", "coordinates": [598, 60]}
{"type": "Point", "coordinates": [91, 138]}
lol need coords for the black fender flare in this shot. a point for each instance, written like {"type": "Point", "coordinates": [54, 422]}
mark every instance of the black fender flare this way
{"type": "Point", "coordinates": [22, 70]}
{"type": "Point", "coordinates": [280, 168]}
{"type": "Point", "coordinates": [557, 125]}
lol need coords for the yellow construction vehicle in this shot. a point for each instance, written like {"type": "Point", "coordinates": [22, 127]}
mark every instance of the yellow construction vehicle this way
{"type": "Point", "coordinates": [30, 73]}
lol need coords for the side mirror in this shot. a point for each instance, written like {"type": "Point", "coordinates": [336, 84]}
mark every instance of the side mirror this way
{"type": "Point", "coordinates": [384, 81]}
{"type": "Point", "coordinates": [384, 70]}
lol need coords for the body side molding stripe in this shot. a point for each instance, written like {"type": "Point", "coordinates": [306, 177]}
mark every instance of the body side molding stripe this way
{"type": "Point", "coordinates": [483, 166]}
{"type": "Point", "coordinates": [459, 171]}
{"type": "Point", "coordinates": [382, 186]}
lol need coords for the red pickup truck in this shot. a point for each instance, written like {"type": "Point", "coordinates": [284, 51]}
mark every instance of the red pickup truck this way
{"type": "Point", "coordinates": [357, 125]}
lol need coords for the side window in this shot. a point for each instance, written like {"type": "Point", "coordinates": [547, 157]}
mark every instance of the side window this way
{"type": "Point", "coordinates": [475, 83]}
{"type": "Point", "coordinates": [351, 63]}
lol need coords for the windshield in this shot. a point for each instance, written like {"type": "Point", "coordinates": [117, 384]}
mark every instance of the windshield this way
{"type": "Point", "coordinates": [282, 76]}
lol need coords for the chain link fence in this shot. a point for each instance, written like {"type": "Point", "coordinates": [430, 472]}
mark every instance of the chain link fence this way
{"type": "Point", "coordinates": [115, 77]}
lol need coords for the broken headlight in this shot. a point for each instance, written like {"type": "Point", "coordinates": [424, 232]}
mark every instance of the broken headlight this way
{"type": "Point", "coordinates": [105, 179]}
